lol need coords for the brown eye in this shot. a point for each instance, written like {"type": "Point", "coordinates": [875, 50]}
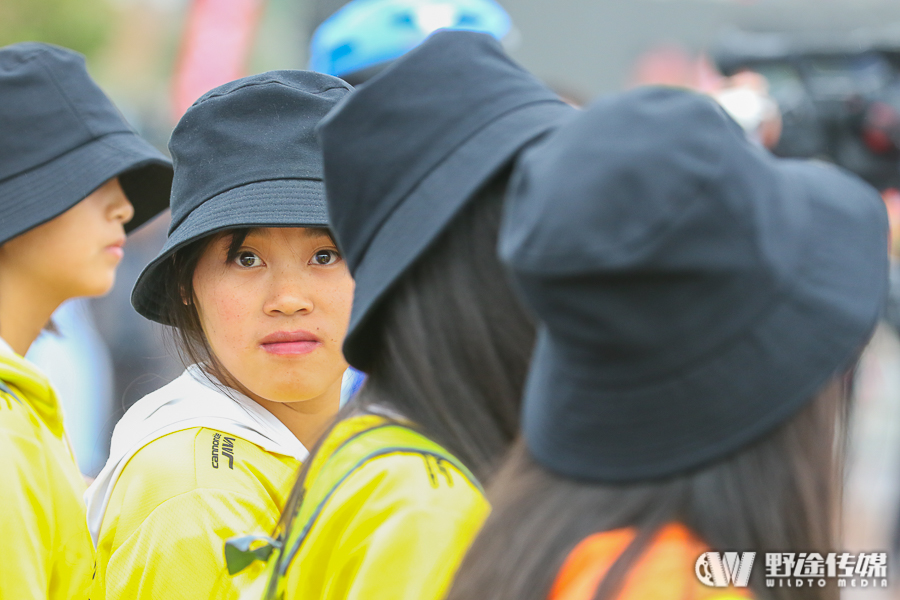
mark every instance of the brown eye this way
{"type": "Point", "coordinates": [325, 257]}
{"type": "Point", "coordinates": [248, 260]}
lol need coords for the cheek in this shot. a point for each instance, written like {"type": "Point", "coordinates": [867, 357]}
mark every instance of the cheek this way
{"type": "Point", "coordinates": [338, 298]}
{"type": "Point", "coordinates": [345, 303]}
{"type": "Point", "coordinates": [60, 256]}
{"type": "Point", "coordinates": [225, 312]}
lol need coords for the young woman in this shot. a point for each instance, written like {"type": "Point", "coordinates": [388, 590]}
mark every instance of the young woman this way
{"type": "Point", "coordinates": [415, 170]}
{"type": "Point", "coordinates": [701, 302]}
{"type": "Point", "coordinates": [258, 299]}
{"type": "Point", "coordinates": [74, 179]}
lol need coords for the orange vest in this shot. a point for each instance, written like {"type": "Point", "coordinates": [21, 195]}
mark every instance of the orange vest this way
{"type": "Point", "coordinates": [665, 571]}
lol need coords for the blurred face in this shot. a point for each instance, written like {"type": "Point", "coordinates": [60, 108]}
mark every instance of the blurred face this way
{"type": "Point", "coordinates": [76, 253]}
{"type": "Point", "coordinates": [275, 313]}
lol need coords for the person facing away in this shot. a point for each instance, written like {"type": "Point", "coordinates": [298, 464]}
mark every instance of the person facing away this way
{"type": "Point", "coordinates": [700, 303]}
{"type": "Point", "coordinates": [415, 167]}
{"type": "Point", "coordinates": [257, 297]}
{"type": "Point", "coordinates": [74, 179]}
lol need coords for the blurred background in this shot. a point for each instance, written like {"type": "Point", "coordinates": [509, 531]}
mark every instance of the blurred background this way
{"type": "Point", "coordinates": [824, 82]}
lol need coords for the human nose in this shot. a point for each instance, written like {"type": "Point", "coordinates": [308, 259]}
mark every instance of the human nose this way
{"type": "Point", "coordinates": [288, 296]}
{"type": "Point", "coordinates": [120, 208]}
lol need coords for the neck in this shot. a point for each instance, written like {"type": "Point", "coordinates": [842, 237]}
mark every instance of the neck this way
{"type": "Point", "coordinates": [306, 419]}
{"type": "Point", "coordinates": [25, 308]}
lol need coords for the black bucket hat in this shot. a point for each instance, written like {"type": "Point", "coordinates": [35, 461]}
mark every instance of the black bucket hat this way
{"type": "Point", "coordinates": [61, 138]}
{"type": "Point", "coordinates": [694, 290]}
{"type": "Point", "coordinates": [406, 151]}
{"type": "Point", "coordinates": [246, 155]}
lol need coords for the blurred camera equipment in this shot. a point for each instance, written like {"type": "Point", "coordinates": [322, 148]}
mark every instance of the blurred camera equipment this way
{"type": "Point", "coordinates": [839, 100]}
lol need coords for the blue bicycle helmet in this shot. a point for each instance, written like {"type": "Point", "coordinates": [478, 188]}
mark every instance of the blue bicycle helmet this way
{"type": "Point", "coordinates": [367, 34]}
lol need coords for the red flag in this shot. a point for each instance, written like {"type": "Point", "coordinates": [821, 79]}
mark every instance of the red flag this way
{"type": "Point", "coordinates": [215, 49]}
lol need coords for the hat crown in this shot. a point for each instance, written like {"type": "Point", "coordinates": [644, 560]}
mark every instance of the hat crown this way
{"type": "Point", "coordinates": [413, 116]}
{"type": "Point", "coordinates": [694, 290]}
{"type": "Point", "coordinates": [50, 106]}
{"type": "Point", "coordinates": [680, 201]}
{"type": "Point", "coordinates": [259, 128]}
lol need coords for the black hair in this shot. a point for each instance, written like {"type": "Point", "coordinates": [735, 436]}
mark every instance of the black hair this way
{"type": "Point", "coordinates": [454, 341]}
{"type": "Point", "coordinates": [779, 494]}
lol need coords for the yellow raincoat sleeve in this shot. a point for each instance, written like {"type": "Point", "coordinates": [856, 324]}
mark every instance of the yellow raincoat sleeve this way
{"type": "Point", "coordinates": [47, 550]}
{"type": "Point", "coordinates": [24, 528]}
{"type": "Point", "coordinates": [177, 551]}
{"type": "Point", "coordinates": [396, 529]}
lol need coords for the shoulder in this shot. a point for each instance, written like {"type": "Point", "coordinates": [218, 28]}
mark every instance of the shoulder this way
{"type": "Point", "coordinates": [161, 469]}
{"type": "Point", "coordinates": [16, 421]}
{"type": "Point", "coordinates": [229, 462]}
{"type": "Point", "coordinates": [391, 503]}
{"type": "Point", "coordinates": [176, 471]}
{"type": "Point", "coordinates": [28, 446]}
{"type": "Point", "coordinates": [18, 416]}
{"type": "Point", "coordinates": [380, 497]}
{"type": "Point", "coordinates": [204, 458]}
{"type": "Point", "coordinates": [394, 467]}
{"type": "Point", "coordinates": [408, 480]}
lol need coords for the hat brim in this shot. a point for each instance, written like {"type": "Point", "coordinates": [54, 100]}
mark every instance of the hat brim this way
{"type": "Point", "coordinates": [421, 217]}
{"type": "Point", "coordinates": [273, 203]}
{"type": "Point", "coordinates": [45, 192]}
{"type": "Point", "coordinates": [807, 335]}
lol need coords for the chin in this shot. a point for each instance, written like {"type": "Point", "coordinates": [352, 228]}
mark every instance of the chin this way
{"type": "Point", "coordinates": [100, 286]}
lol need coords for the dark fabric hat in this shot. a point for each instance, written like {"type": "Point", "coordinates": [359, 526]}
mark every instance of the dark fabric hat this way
{"type": "Point", "coordinates": [406, 151]}
{"type": "Point", "coordinates": [694, 291]}
{"type": "Point", "coordinates": [245, 155]}
{"type": "Point", "coordinates": [61, 138]}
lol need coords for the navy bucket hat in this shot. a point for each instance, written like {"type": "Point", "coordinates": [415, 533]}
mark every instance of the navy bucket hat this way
{"type": "Point", "coordinates": [694, 291]}
{"type": "Point", "coordinates": [246, 155]}
{"type": "Point", "coordinates": [407, 151]}
{"type": "Point", "coordinates": [61, 138]}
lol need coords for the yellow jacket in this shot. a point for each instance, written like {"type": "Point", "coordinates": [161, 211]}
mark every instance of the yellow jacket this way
{"type": "Point", "coordinates": [167, 505]}
{"type": "Point", "coordinates": [387, 515]}
{"type": "Point", "coordinates": [47, 551]}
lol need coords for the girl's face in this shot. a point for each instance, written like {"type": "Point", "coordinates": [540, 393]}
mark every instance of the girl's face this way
{"type": "Point", "coordinates": [76, 253]}
{"type": "Point", "coordinates": [275, 314]}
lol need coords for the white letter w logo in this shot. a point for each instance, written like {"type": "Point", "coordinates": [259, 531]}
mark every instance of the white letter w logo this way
{"type": "Point", "coordinates": [715, 570]}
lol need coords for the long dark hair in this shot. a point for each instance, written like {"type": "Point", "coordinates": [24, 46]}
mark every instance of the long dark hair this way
{"type": "Point", "coordinates": [454, 342]}
{"type": "Point", "coordinates": [453, 345]}
{"type": "Point", "coordinates": [782, 493]}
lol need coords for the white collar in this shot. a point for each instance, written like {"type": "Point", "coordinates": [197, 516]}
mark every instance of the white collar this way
{"type": "Point", "coordinates": [191, 400]}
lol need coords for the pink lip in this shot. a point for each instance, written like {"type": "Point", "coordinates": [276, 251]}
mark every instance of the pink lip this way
{"type": "Point", "coordinates": [116, 249]}
{"type": "Point", "coordinates": [287, 343]}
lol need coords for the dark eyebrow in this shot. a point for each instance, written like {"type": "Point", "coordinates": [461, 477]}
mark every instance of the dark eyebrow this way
{"type": "Point", "coordinates": [239, 236]}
